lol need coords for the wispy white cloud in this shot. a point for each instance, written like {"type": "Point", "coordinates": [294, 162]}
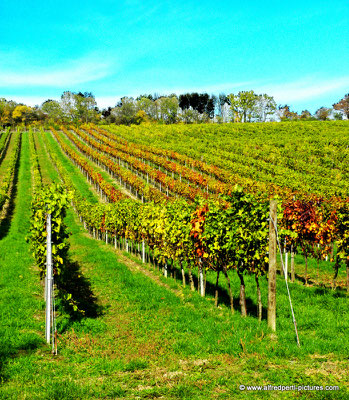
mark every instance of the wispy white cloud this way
{"type": "Point", "coordinates": [31, 100]}
{"type": "Point", "coordinates": [86, 69]}
{"type": "Point", "coordinates": [135, 89]}
{"type": "Point", "coordinates": [227, 87]}
{"type": "Point", "coordinates": [102, 101]}
{"type": "Point", "coordinates": [301, 91]}
{"type": "Point", "coordinates": [107, 101]}
{"type": "Point", "coordinates": [144, 15]}
{"type": "Point", "coordinates": [306, 88]}
{"type": "Point", "coordinates": [110, 101]}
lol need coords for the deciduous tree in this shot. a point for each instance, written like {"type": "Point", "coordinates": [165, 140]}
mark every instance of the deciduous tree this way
{"type": "Point", "coordinates": [125, 111]}
{"type": "Point", "coordinates": [286, 115]}
{"type": "Point", "coordinates": [305, 115]}
{"type": "Point", "coordinates": [6, 110]}
{"type": "Point", "coordinates": [343, 105]}
{"type": "Point", "coordinates": [86, 106]}
{"type": "Point", "coordinates": [168, 107]}
{"type": "Point", "coordinates": [243, 105]}
{"type": "Point", "coordinates": [323, 113]}
{"type": "Point", "coordinates": [265, 107]}
{"type": "Point", "coordinates": [147, 105]}
{"type": "Point", "coordinates": [53, 110]}
{"type": "Point", "coordinates": [23, 114]}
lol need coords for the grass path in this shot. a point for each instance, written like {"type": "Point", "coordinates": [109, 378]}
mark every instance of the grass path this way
{"type": "Point", "coordinates": [85, 188]}
{"type": "Point", "coordinates": [5, 138]}
{"type": "Point", "coordinates": [42, 158]}
{"type": "Point", "coordinates": [21, 304]}
{"type": "Point", "coordinates": [9, 151]}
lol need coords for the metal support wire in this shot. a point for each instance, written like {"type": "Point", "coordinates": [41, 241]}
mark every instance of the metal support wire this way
{"type": "Point", "coordinates": [54, 325]}
{"type": "Point", "coordinates": [288, 290]}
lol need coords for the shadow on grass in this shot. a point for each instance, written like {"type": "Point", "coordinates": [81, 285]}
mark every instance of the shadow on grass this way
{"type": "Point", "coordinates": [323, 287]}
{"type": "Point", "coordinates": [223, 295]}
{"type": "Point", "coordinates": [71, 281]}
{"type": "Point", "coordinates": [9, 351]}
{"type": "Point", "coordinates": [223, 298]}
{"type": "Point", "coordinates": [83, 303]}
{"type": "Point", "coordinates": [5, 223]}
{"type": "Point", "coordinates": [4, 150]}
{"type": "Point", "coordinates": [339, 292]}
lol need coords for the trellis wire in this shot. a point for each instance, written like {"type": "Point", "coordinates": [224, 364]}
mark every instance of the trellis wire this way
{"type": "Point", "coordinates": [288, 290]}
{"type": "Point", "coordinates": [54, 325]}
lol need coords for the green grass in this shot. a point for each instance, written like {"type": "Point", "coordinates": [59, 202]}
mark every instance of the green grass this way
{"type": "Point", "coordinates": [321, 275]}
{"type": "Point", "coordinates": [7, 156]}
{"type": "Point", "coordinates": [72, 170]}
{"type": "Point", "coordinates": [21, 299]}
{"type": "Point", "coordinates": [149, 338]}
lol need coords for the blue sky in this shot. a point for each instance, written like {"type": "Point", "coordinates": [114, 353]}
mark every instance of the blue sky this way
{"type": "Point", "coordinates": [296, 51]}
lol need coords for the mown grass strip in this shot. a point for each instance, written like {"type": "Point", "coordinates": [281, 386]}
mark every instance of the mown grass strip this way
{"type": "Point", "coordinates": [73, 171]}
{"type": "Point", "coordinates": [21, 297]}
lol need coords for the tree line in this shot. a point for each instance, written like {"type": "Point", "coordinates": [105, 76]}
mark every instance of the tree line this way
{"type": "Point", "coordinates": [245, 106]}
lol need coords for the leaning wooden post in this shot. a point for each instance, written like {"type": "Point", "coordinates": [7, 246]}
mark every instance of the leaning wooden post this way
{"type": "Point", "coordinates": [272, 266]}
{"type": "Point", "coordinates": [48, 279]}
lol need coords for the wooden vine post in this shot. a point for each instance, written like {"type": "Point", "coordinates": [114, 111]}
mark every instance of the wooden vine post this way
{"type": "Point", "coordinates": [272, 266]}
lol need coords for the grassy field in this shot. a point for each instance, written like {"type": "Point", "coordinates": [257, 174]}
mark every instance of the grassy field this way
{"type": "Point", "coordinates": [145, 336]}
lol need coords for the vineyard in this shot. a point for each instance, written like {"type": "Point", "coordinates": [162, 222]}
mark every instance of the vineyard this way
{"type": "Point", "coordinates": [161, 258]}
